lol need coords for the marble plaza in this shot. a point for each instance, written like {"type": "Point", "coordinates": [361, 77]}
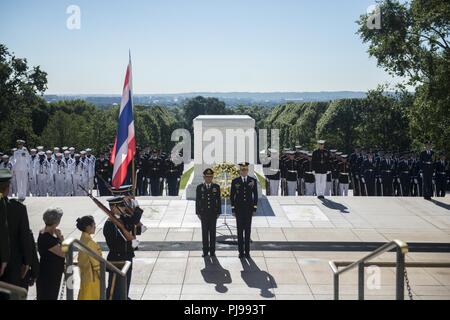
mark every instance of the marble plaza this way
{"type": "Point", "coordinates": [169, 264]}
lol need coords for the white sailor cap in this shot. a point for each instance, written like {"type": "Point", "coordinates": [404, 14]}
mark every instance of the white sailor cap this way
{"type": "Point", "coordinates": [321, 141]}
{"type": "Point", "coordinates": [40, 147]}
{"type": "Point", "coordinates": [48, 152]}
{"type": "Point", "coordinates": [71, 149]}
{"type": "Point", "coordinates": [33, 150]}
{"type": "Point", "coordinates": [41, 153]}
{"type": "Point", "coordinates": [88, 150]}
{"type": "Point", "coordinates": [77, 155]}
{"type": "Point", "coordinates": [67, 152]}
{"type": "Point", "coordinates": [82, 152]}
{"type": "Point", "coordinates": [5, 156]}
{"type": "Point", "coordinates": [59, 154]}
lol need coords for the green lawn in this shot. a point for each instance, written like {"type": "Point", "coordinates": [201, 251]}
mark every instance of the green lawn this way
{"type": "Point", "coordinates": [185, 178]}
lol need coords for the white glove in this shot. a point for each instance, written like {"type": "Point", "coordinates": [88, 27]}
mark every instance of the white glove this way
{"type": "Point", "coordinates": [135, 243]}
{"type": "Point", "coordinates": [143, 228]}
{"type": "Point", "coordinates": [134, 203]}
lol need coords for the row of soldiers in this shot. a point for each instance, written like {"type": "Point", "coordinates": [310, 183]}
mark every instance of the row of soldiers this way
{"type": "Point", "coordinates": [367, 172]}
{"type": "Point", "coordinates": [41, 173]}
{"type": "Point", "coordinates": [66, 172]}
{"type": "Point", "coordinates": [158, 171]}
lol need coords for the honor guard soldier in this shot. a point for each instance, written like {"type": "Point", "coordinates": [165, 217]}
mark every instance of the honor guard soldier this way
{"type": "Point", "coordinates": [20, 169]}
{"type": "Point", "coordinates": [208, 207]}
{"type": "Point", "coordinates": [155, 173]}
{"type": "Point", "coordinates": [50, 181]}
{"type": "Point", "coordinates": [68, 185]}
{"type": "Point", "coordinates": [103, 173]}
{"type": "Point", "coordinates": [128, 212]}
{"type": "Point", "coordinates": [290, 167]}
{"type": "Point", "coordinates": [244, 201]}
{"type": "Point", "coordinates": [90, 159]}
{"type": "Point", "coordinates": [173, 173]}
{"type": "Point", "coordinates": [369, 172]}
{"type": "Point", "coordinates": [20, 246]}
{"type": "Point", "coordinates": [426, 163]}
{"type": "Point", "coordinates": [321, 167]}
{"type": "Point", "coordinates": [272, 173]}
{"type": "Point", "coordinates": [416, 179]}
{"type": "Point", "coordinates": [387, 170]}
{"type": "Point", "coordinates": [78, 172]}
{"type": "Point", "coordinates": [42, 172]}
{"type": "Point", "coordinates": [310, 179]}
{"type": "Point", "coordinates": [329, 184]}
{"type": "Point", "coordinates": [32, 186]}
{"type": "Point", "coordinates": [442, 175]}
{"type": "Point", "coordinates": [72, 152]}
{"type": "Point", "coordinates": [404, 174]}
{"type": "Point", "coordinates": [354, 171]}
{"type": "Point", "coordinates": [59, 172]}
{"type": "Point", "coordinates": [343, 170]}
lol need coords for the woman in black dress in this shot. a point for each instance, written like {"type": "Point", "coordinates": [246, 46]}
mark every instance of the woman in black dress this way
{"type": "Point", "coordinates": [51, 266]}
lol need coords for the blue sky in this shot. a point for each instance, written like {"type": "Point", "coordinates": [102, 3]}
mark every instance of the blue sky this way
{"type": "Point", "coordinates": [194, 45]}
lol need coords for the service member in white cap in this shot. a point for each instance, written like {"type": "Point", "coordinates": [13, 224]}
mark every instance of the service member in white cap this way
{"type": "Point", "coordinates": [42, 170]}
{"type": "Point", "coordinates": [59, 171]}
{"type": "Point", "coordinates": [78, 176]}
{"type": "Point", "coordinates": [20, 169]}
{"type": "Point", "coordinates": [85, 161]}
{"type": "Point", "coordinates": [50, 178]}
{"type": "Point", "coordinates": [32, 186]}
{"type": "Point", "coordinates": [321, 167]}
{"type": "Point", "coordinates": [91, 168]}
{"type": "Point", "coordinates": [68, 184]}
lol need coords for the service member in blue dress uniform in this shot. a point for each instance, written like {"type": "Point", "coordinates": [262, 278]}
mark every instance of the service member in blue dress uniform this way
{"type": "Point", "coordinates": [426, 162]}
{"type": "Point", "coordinates": [442, 175]}
{"type": "Point", "coordinates": [244, 202]}
{"type": "Point", "coordinates": [129, 213]}
{"type": "Point", "coordinates": [208, 207]}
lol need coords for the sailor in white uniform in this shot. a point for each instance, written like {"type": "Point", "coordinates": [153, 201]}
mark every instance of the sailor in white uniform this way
{"type": "Point", "coordinates": [68, 184]}
{"type": "Point", "coordinates": [20, 165]}
{"type": "Point", "coordinates": [50, 178]}
{"type": "Point", "coordinates": [42, 170]}
{"type": "Point", "coordinates": [91, 169]}
{"type": "Point", "coordinates": [78, 175]}
{"type": "Point", "coordinates": [59, 170]}
{"type": "Point", "coordinates": [32, 186]}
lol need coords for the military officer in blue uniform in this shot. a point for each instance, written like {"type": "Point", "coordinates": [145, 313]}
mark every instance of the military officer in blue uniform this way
{"type": "Point", "coordinates": [442, 175]}
{"type": "Point", "coordinates": [103, 173]}
{"type": "Point", "coordinates": [244, 202]}
{"type": "Point", "coordinates": [127, 210]}
{"type": "Point", "coordinates": [208, 207]}
{"type": "Point", "coordinates": [426, 163]}
{"type": "Point", "coordinates": [173, 173]}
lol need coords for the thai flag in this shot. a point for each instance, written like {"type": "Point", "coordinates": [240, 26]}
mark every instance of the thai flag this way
{"type": "Point", "coordinates": [125, 145]}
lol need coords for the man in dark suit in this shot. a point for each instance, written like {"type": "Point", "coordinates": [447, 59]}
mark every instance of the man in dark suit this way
{"type": "Point", "coordinates": [20, 244]}
{"type": "Point", "coordinates": [244, 202]}
{"type": "Point", "coordinates": [208, 207]}
{"type": "Point", "coordinates": [426, 162]}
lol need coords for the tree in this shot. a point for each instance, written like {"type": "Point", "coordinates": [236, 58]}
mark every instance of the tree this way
{"type": "Point", "coordinates": [202, 106]}
{"type": "Point", "coordinates": [339, 124]}
{"type": "Point", "coordinates": [20, 90]}
{"type": "Point", "coordinates": [413, 43]}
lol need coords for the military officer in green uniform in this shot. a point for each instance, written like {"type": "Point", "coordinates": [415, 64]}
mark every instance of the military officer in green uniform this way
{"type": "Point", "coordinates": [244, 201]}
{"type": "Point", "coordinates": [208, 207]}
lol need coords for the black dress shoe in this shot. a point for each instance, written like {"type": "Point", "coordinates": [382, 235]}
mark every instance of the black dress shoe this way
{"type": "Point", "coordinates": [247, 255]}
{"type": "Point", "coordinates": [204, 255]}
{"type": "Point", "coordinates": [212, 254]}
{"type": "Point", "coordinates": [241, 256]}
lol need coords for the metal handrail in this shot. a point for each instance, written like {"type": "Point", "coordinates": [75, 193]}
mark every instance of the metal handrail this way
{"type": "Point", "coordinates": [401, 248]}
{"type": "Point", "coordinates": [14, 292]}
{"type": "Point", "coordinates": [68, 248]}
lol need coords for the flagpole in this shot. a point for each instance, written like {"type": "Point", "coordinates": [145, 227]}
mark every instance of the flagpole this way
{"type": "Point", "coordinates": [133, 165]}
